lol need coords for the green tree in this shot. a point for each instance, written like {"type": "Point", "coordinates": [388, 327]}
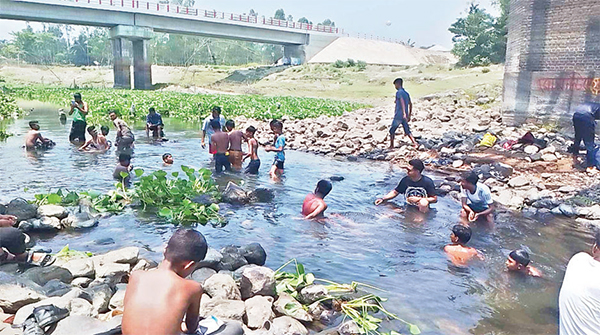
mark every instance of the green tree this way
{"type": "Point", "coordinates": [303, 20]}
{"type": "Point", "coordinates": [479, 38]}
{"type": "Point", "coordinates": [328, 23]}
{"type": "Point", "coordinates": [279, 14]}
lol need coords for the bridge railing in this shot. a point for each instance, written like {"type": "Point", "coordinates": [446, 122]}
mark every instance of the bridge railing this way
{"type": "Point", "coordinates": [181, 10]}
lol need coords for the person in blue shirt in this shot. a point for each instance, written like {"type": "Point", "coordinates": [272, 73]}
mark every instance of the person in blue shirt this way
{"type": "Point", "coordinates": [584, 122]}
{"type": "Point", "coordinates": [278, 148]}
{"type": "Point", "coordinates": [154, 122]}
{"type": "Point", "coordinates": [402, 114]}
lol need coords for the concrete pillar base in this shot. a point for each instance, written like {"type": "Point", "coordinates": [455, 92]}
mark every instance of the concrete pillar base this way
{"type": "Point", "coordinates": [295, 51]}
{"type": "Point", "coordinates": [122, 64]}
{"type": "Point", "coordinates": [142, 69]}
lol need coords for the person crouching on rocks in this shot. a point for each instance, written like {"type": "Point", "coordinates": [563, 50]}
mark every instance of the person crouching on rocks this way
{"type": "Point", "coordinates": [418, 190]}
{"type": "Point", "coordinates": [13, 247]}
{"type": "Point", "coordinates": [314, 204]}
{"type": "Point", "coordinates": [476, 199]}
{"type": "Point", "coordinates": [162, 301]}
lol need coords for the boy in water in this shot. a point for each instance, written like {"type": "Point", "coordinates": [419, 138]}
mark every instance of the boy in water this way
{"type": "Point", "coordinates": [96, 144]}
{"type": "Point", "coordinates": [123, 166]}
{"type": "Point", "coordinates": [278, 148]}
{"type": "Point", "coordinates": [314, 204]}
{"type": "Point", "coordinates": [459, 253]}
{"type": "Point", "coordinates": [160, 301]}
{"type": "Point", "coordinates": [254, 164]}
{"type": "Point", "coordinates": [518, 261]}
{"type": "Point", "coordinates": [235, 146]}
{"type": "Point", "coordinates": [220, 143]}
{"type": "Point", "coordinates": [125, 138]}
{"type": "Point", "coordinates": [104, 132]}
{"type": "Point", "coordinates": [167, 159]}
{"type": "Point", "coordinates": [34, 139]}
{"type": "Point", "coordinates": [476, 199]}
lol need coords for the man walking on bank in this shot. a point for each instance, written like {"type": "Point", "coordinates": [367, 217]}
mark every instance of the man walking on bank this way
{"type": "Point", "coordinates": [402, 114]}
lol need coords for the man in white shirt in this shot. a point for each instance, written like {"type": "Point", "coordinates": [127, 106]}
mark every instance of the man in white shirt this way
{"type": "Point", "coordinates": [579, 298]}
{"type": "Point", "coordinates": [207, 129]}
{"type": "Point", "coordinates": [477, 202]}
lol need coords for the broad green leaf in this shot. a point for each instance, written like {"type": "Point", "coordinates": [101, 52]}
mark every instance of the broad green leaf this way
{"type": "Point", "coordinates": [54, 199]}
{"type": "Point", "coordinates": [414, 330]}
{"type": "Point", "coordinates": [138, 172]}
{"type": "Point", "coordinates": [124, 174]}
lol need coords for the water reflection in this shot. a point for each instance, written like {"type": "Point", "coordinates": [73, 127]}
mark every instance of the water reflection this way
{"type": "Point", "coordinates": [396, 250]}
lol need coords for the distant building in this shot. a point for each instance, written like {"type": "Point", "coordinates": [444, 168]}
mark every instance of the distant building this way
{"type": "Point", "coordinates": [553, 59]}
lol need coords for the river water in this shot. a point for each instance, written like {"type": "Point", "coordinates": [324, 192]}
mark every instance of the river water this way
{"type": "Point", "coordinates": [401, 253]}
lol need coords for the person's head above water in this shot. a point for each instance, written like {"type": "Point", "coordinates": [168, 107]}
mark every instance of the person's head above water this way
{"type": "Point", "coordinates": [151, 110]}
{"type": "Point", "coordinates": [104, 130]}
{"type": "Point", "coordinates": [398, 83]}
{"type": "Point", "coordinates": [460, 234]}
{"type": "Point", "coordinates": [124, 159]}
{"type": "Point", "coordinates": [77, 97]}
{"type": "Point", "coordinates": [92, 131]}
{"type": "Point", "coordinates": [250, 131]}
{"type": "Point", "coordinates": [230, 124]}
{"type": "Point", "coordinates": [167, 158]}
{"type": "Point", "coordinates": [415, 169]}
{"type": "Point", "coordinates": [469, 181]}
{"type": "Point", "coordinates": [34, 125]}
{"type": "Point", "coordinates": [215, 125]}
{"type": "Point", "coordinates": [323, 188]}
{"type": "Point", "coordinates": [517, 260]}
{"type": "Point", "coordinates": [185, 249]}
{"type": "Point", "coordinates": [216, 112]}
{"type": "Point", "coordinates": [113, 115]}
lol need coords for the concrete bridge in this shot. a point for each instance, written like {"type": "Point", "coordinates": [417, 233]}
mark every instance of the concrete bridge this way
{"type": "Point", "coordinates": [137, 21]}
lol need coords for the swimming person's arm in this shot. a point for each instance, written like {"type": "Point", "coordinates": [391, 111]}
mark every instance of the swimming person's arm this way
{"type": "Point", "coordinates": [319, 210]}
{"type": "Point", "coordinates": [387, 197]}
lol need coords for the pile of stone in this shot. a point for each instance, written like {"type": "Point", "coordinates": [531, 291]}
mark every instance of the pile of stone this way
{"type": "Point", "coordinates": [237, 288]}
{"type": "Point", "coordinates": [49, 217]}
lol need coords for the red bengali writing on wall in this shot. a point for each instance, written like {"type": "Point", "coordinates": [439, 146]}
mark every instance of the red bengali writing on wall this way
{"type": "Point", "coordinates": [574, 82]}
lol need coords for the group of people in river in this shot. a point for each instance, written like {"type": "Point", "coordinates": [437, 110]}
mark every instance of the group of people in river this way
{"type": "Point", "coordinates": [172, 301]}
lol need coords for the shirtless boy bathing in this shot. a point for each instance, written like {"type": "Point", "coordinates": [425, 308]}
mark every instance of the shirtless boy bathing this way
{"type": "Point", "coordinates": [220, 144]}
{"type": "Point", "coordinates": [314, 205]}
{"type": "Point", "coordinates": [162, 301]}
{"type": "Point", "coordinates": [34, 139]}
{"type": "Point", "coordinates": [518, 261]}
{"type": "Point", "coordinates": [457, 251]}
{"type": "Point", "coordinates": [97, 143]}
{"type": "Point", "coordinates": [254, 164]}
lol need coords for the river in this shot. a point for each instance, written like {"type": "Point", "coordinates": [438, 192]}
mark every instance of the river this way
{"type": "Point", "coordinates": [400, 253]}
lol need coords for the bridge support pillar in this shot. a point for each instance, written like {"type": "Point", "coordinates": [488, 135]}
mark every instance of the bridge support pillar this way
{"type": "Point", "coordinates": [142, 69]}
{"type": "Point", "coordinates": [295, 51]}
{"type": "Point", "coordinates": [122, 64]}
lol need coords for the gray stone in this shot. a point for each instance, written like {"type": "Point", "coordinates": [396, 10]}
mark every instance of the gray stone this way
{"type": "Point", "coordinates": [224, 309]}
{"type": "Point", "coordinates": [349, 328]}
{"type": "Point", "coordinates": [234, 194]}
{"type": "Point", "coordinates": [287, 305]}
{"type": "Point", "coordinates": [258, 311]}
{"type": "Point", "coordinates": [254, 254]}
{"type": "Point", "coordinates": [519, 181]}
{"type": "Point", "coordinates": [202, 274]}
{"type": "Point", "coordinates": [212, 259]}
{"type": "Point", "coordinates": [53, 211]}
{"type": "Point", "coordinates": [233, 259]}
{"type": "Point", "coordinates": [545, 203]}
{"type": "Point", "coordinates": [116, 302]}
{"type": "Point", "coordinates": [457, 163]}
{"type": "Point", "coordinates": [81, 307]}
{"type": "Point", "coordinates": [567, 210]}
{"type": "Point", "coordinates": [13, 297]}
{"type": "Point", "coordinates": [21, 209]}
{"type": "Point", "coordinates": [221, 286]}
{"type": "Point", "coordinates": [312, 293]}
{"type": "Point", "coordinates": [257, 281]}
{"type": "Point", "coordinates": [549, 157]}
{"type": "Point", "coordinates": [128, 255]}
{"type": "Point", "coordinates": [101, 296]}
{"type": "Point", "coordinates": [82, 282]}
{"type": "Point", "coordinates": [531, 149]}
{"type": "Point", "coordinates": [286, 325]}
{"type": "Point", "coordinates": [42, 275]}
{"type": "Point", "coordinates": [74, 222]}
{"type": "Point", "coordinates": [85, 325]}
{"type": "Point", "coordinates": [56, 288]}
{"type": "Point", "coordinates": [115, 270]}
{"type": "Point", "coordinates": [567, 189]}
{"type": "Point", "coordinates": [262, 194]}
{"type": "Point", "coordinates": [83, 267]}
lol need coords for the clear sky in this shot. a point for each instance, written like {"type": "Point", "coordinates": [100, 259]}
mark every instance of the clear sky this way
{"type": "Point", "coordinates": [424, 21]}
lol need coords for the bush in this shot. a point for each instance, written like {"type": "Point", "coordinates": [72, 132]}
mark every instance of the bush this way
{"type": "Point", "coordinates": [350, 62]}
{"type": "Point", "coordinates": [485, 70]}
{"type": "Point", "coordinates": [361, 65]}
{"type": "Point", "coordinates": [339, 64]}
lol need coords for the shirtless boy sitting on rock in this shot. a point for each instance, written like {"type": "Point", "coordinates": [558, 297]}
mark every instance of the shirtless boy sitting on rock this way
{"type": "Point", "coordinates": [34, 139]}
{"type": "Point", "coordinates": [159, 301]}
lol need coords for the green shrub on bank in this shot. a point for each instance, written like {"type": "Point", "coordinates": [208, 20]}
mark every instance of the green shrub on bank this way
{"type": "Point", "coordinates": [187, 107]}
{"type": "Point", "coordinates": [8, 106]}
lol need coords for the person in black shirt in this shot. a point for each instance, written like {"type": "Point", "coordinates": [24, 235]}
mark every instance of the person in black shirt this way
{"type": "Point", "coordinates": [418, 190]}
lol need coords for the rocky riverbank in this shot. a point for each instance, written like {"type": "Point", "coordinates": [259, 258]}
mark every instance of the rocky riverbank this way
{"type": "Point", "coordinates": [538, 175]}
{"type": "Point", "coordinates": [238, 289]}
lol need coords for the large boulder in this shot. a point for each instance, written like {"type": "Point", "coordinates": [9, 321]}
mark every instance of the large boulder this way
{"type": "Point", "coordinates": [86, 325]}
{"type": "Point", "coordinates": [257, 281]}
{"type": "Point", "coordinates": [312, 293]}
{"type": "Point", "coordinates": [254, 254]}
{"type": "Point", "coordinates": [112, 270]}
{"type": "Point", "coordinates": [286, 325]}
{"type": "Point", "coordinates": [519, 181]}
{"type": "Point", "coordinates": [56, 288]}
{"type": "Point", "coordinates": [202, 274]}
{"type": "Point", "coordinates": [74, 222]}
{"type": "Point", "coordinates": [287, 305]}
{"type": "Point", "coordinates": [52, 211]}
{"type": "Point", "coordinates": [233, 258]}
{"type": "Point", "coordinates": [13, 297]}
{"type": "Point", "coordinates": [212, 259]}
{"type": "Point", "coordinates": [21, 209]}
{"type": "Point", "coordinates": [259, 310]}
{"type": "Point", "coordinates": [128, 255]}
{"type": "Point", "coordinates": [223, 309]}
{"type": "Point", "coordinates": [83, 267]}
{"type": "Point", "coordinates": [234, 194]}
{"type": "Point", "coordinates": [222, 286]}
{"type": "Point", "coordinates": [116, 302]}
{"type": "Point", "coordinates": [101, 296]}
{"type": "Point", "coordinates": [262, 194]}
{"type": "Point", "coordinates": [42, 275]}
{"type": "Point", "coordinates": [81, 307]}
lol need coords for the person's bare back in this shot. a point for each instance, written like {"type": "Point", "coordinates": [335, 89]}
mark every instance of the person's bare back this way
{"type": "Point", "coordinates": [461, 255]}
{"type": "Point", "coordinates": [220, 142]}
{"type": "Point", "coordinates": [235, 140]}
{"type": "Point", "coordinates": [157, 302]}
{"type": "Point", "coordinates": [32, 138]}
